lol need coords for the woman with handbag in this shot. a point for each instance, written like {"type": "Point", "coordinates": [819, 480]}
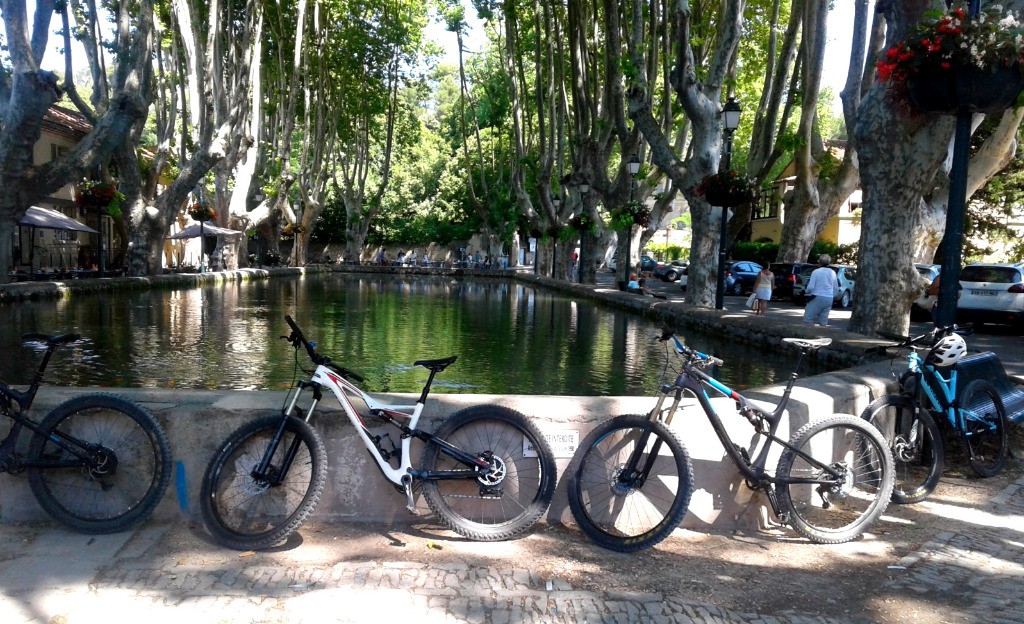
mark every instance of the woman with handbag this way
{"type": "Point", "coordinates": [763, 291]}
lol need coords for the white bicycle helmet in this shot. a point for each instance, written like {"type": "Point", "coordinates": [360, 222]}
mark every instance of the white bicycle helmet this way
{"type": "Point", "coordinates": [947, 351]}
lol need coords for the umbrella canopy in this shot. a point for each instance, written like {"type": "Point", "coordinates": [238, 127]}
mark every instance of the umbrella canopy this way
{"type": "Point", "coordinates": [192, 231]}
{"type": "Point", "coordinates": [51, 219]}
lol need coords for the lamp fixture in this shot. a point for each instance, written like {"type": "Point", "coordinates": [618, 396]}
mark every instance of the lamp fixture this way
{"type": "Point", "coordinates": [731, 111]}
{"type": "Point", "coordinates": [633, 165]}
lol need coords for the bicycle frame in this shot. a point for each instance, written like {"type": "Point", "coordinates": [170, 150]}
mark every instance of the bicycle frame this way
{"type": "Point", "coordinates": [767, 424]}
{"type": "Point", "coordinates": [344, 392]}
{"type": "Point", "coordinates": [9, 397]}
{"type": "Point", "coordinates": [948, 408]}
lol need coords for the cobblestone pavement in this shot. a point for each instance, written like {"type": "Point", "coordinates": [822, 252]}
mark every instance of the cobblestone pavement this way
{"type": "Point", "coordinates": [989, 560]}
{"type": "Point", "coordinates": [167, 573]}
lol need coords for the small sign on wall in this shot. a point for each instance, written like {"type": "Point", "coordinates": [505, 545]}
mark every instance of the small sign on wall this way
{"type": "Point", "coordinates": [563, 443]}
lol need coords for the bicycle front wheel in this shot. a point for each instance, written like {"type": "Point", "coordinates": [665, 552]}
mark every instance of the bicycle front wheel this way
{"type": "Point", "coordinates": [983, 428]}
{"type": "Point", "coordinates": [833, 508]}
{"type": "Point", "coordinates": [126, 477]}
{"type": "Point", "coordinates": [509, 499]}
{"type": "Point", "coordinates": [915, 442]}
{"type": "Point", "coordinates": [634, 511]}
{"type": "Point", "coordinates": [248, 513]}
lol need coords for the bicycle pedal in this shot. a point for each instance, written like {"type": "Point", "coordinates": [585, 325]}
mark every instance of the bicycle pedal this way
{"type": "Point", "coordinates": [410, 504]}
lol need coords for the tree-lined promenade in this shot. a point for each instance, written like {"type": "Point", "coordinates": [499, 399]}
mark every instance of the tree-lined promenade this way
{"type": "Point", "coordinates": [332, 122]}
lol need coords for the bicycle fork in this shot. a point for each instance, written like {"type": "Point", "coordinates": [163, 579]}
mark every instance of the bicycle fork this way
{"type": "Point", "coordinates": [632, 475]}
{"type": "Point", "coordinates": [265, 472]}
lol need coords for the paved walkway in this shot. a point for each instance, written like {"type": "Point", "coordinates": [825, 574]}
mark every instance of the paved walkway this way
{"type": "Point", "coordinates": [168, 573]}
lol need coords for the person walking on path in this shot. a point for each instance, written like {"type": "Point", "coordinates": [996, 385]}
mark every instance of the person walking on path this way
{"type": "Point", "coordinates": [763, 291]}
{"type": "Point", "coordinates": [822, 287]}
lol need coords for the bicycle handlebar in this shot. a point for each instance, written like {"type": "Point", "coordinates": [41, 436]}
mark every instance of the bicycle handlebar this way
{"type": "Point", "coordinates": [928, 337]}
{"type": "Point", "coordinates": [297, 339]}
{"type": "Point", "coordinates": [694, 357]}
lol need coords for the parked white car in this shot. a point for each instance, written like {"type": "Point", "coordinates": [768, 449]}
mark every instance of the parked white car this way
{"type": "Point", "coordinates": [992, 293]}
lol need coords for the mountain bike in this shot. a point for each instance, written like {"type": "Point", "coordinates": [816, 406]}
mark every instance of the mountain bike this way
{"type": "Point", "coordinates": [632, 484]}
{"type": "Point", "coordinates": [97, 463]}
{"type": "Point", "coordinates": [908, 420]}
{"type": "Point", "coordinates": [487, 473]}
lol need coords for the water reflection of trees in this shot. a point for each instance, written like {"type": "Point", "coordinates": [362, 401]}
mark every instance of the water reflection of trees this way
{"type": "Point", "coordinates": [510, 338]}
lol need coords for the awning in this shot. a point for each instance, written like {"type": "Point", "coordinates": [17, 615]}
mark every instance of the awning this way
{"type": "Point", "coordinates": [192, 231]}
{"type": "Point", "coordinates": [53, 220]}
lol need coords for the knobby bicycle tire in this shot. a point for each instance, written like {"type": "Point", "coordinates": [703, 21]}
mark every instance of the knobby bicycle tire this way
{"type": "Point", "coordinates": [916, 444]}
{"type": "Point", "coordinates": [244, 513]}
{"type": "Point", "coordinates": [983, 428]}
{"type": "Point", "coordinates": [129, 478]}
{"type": "Point", "coordinates": [506, 503]}
{"type": "Point", "coordinates": [622, 514]}
{"type": "Point", "coordinates": [844, 508]}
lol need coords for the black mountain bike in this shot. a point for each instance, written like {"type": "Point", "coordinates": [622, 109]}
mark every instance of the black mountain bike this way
{"type": "Point", "coordinates": [97, 463]}
{"type": "Point", "coordinates": [633, 481]}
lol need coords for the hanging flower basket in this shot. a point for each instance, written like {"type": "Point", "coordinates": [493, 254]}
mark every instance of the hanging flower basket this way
{"type": "Point", "coordinates": [582, 223]}
{"type": "Point", "coordinates": [202, 212]}
{"type": "Point", "coordinates": [953, 62]}
{"type": "Point", "coordinates": [291, 229]}
{"type": "Point", "coordinates": [965, 88]}
{"type": "Point", "coordinates": [726, 188]}
{"type": "Point", "coordinates": [95, 194]}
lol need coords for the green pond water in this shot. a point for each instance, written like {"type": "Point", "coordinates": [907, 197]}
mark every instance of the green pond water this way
{"type": "Point", "coordinates": [510, 338]}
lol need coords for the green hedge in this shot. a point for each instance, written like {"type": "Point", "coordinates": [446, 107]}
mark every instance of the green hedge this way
{"type": "Point", "coordinates": [765, 253]}
{"type": "Point", "coordinates": [666, 252]}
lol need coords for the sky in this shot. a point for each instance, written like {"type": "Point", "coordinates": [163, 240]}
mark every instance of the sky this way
{"type": "Point", "coordinates": [837, 50]}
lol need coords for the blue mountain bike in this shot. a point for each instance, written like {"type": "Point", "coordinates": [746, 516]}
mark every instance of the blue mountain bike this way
{"type": "Point", "coordinates": [929, 395]}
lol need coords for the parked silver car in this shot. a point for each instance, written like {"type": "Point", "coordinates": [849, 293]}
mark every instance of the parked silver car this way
{"type": "Point", "coordinates": [671, 271]}
{"type": "Point", "coordinates": [847, 276]}
{"type": "Point", "coordinates": [922, 306]}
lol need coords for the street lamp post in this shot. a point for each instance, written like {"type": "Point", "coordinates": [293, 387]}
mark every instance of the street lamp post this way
{"type": "Point", "coordinates": [102, 265]}
{"type": "Point", "coordinates": [557, 203]}
{"type": "Point", "coordinates": [956, 207]}
{"type": "Point", "coordinates": [202, 247]}
{"type": "Point", "coordinates": [731, 120]}
{"type": "Point", "coordinates": [633, 166]}
{"type": "Point", "coordinates": [584, 189]}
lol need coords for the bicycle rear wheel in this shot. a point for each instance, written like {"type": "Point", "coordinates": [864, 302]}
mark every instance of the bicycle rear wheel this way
{"type": "Point", "coordinates": [508, 501]}
{"type": "Point", "coordinates": [246, 513]}
{"type": "Point", "coordinates": [624, 512]}
{"type": "Point", "coordinates": [983, 422]}
{"type": "Point", "coordinates": [915, 442]}
{"type": "Point", "coordinates": [127, 480]}
{"type": "Point", "coordinates": [827, 509]}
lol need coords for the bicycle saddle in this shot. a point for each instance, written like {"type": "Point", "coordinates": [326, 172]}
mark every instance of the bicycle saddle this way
{"type": "Point", "coordinates": [809, 343]}
{"type": "Point", "coordinates": [50, 340]}
{"type": "Point", "coordinates": [436, 365]}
